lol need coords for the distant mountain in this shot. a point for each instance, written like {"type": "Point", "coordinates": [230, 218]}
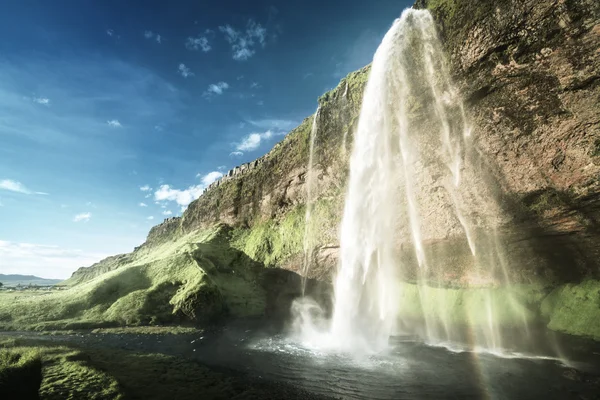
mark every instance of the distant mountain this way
{"type": "Point", "coordinates": [14, 280]}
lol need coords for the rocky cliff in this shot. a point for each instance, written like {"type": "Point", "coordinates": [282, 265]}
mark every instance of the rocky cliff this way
{"type": "Point", "coordinates": [529, 76]}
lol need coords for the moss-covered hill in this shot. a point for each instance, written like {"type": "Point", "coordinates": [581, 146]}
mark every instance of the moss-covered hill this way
{"type": "Point", "coordinates": [195, 278]}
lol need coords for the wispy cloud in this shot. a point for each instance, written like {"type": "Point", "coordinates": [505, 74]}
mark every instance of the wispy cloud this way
{"type": "Point", "coordinates": [253, 140]}
{"type": "Point", "coordinates": [83, 217]}
{"type": "Point", "coordinates": [14, 186]}
{"type": "Point", "coordinates": [153, 35]}
{"type": "Point", "coordinates": [244, 42]}
{"type": "Point", "coordinates": [46, 260]}
{"type": "Point", "coordinates": [150, 218]}
{"type": "Point", "coordinates": [145, 188]}
{"type": "Point", "coordinates": [42, 100]}
{"type": "Point", "coordinates": [114, 123]}
{"type": "Point", "coordinates": [236, 154]}
{"type": "Point", "coordinates": [143, 205]}
{"type": "Point", "coordinates": [167, 212]}
{"type": "Point", "coordinates": [274, 124]}
{"type": "Point", "coordinates": [184, 71]}
{"type": "Point", "coordinates": [254, 85]}
{"type": "Point", "coordinates": [110, 32]}
{"type": "Point", "coordinates": [216, 88]}
{"type": "Point", "coordinates": [198, 43]}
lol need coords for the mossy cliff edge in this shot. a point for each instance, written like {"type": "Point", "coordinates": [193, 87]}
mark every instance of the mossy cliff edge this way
{"type": "Point", "coordinates": [529, 74]}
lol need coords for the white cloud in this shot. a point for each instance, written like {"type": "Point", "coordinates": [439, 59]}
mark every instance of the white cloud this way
{"type": "Point", "coordinates": [216, 88]}
{"type": "Point", "coordinates": [150, 218]}
{"type": "Point", "coordinates": [250, 142]}
{"type": "Point", "coordinates": [42, 100]}
{"type": "Point", "coordinates": [253, 140]}
{"type": "Point", "coordinates": [114, 123]}
{"type": "Point", "coordinates": [181, 197]}
{"type": "Point", "coordinates": [243, 43]}
{"type": "Point", "coordinates": [14, 186]}
{"type": "Point", "coordinates": [143, 205]}
{"type": "Point", "coordinates": [148, 34]}
{"type": "Point", "coordinates": [158, 39]}
{"type": "Point", "coordinates": [254, 85]}
{"type": "Point", "coordinates": [166, 193]}
{"type": "Point", "coordinates": [43, 260]}
{"type": "Point", "coordinates": [110, 32]}
{"type": "Point", "coordinates": [236, 154]}
{"type": "Point", "coordinates": [167, 212]}
{"type": "Point", "coordinates": [145, 188]}
{"type": "Point", "coordinates": [184, 71]}
{"type": "Point", "coordinates": [83, 217]}
{"type": "Point", "coordinates": [210, 177]}
{"type": "Point", "coordinates": [198, 43]}
{"type": "Point", "coordinates": [222, 167]}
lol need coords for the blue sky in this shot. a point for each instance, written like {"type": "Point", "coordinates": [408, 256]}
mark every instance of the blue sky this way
{"type": "Point", "coordinates": [115, 115]}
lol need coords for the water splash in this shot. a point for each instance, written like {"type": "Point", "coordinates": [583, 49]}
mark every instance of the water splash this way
{"type": "Point", "coordinates": [310, 197]}
{"type": "Point", "coordinates": [414, 180]}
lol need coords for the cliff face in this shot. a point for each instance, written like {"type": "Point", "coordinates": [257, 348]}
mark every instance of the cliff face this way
{"type": "Point", "coordinates": [529, 72]}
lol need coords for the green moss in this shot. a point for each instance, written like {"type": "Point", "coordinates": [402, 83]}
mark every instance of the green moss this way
{"type": "Point", "coordinates": [542, 201]}
{"type": "Point", "coordinates": [511, 306]}
{"type": "Point", "coordinates": [272, 242]}
{"type": "Point", "coordinates": [574, 309]}
{"type": "Point", "coordinates": [20, 372]}
{"type": "Point", "coordinates": [444, 7]}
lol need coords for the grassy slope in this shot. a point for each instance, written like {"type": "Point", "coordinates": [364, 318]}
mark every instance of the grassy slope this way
{"type": "Point", "coordinates": [194, 278]}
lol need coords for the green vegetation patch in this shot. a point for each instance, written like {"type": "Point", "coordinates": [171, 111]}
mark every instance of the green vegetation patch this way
{"type": "Point", "coordinates": [20, 373]}
{"type": "Point", "coordinates": [173, 282]}
{"type": "Point", "coordinates": [510, 306]}
{"type": "Point", "coordinates": [574, 309]}
{"type": "Point", "coordinates": [51, 373]}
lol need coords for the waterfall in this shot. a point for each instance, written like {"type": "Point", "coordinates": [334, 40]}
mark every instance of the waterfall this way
{"type": "Point", "coordinates": [415, 179]}
{"type": "Point", "coordinates": [310, 195]}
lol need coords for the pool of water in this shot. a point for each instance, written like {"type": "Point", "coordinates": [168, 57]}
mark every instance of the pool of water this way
{"type": "Point", "coordinates": [409, 369]}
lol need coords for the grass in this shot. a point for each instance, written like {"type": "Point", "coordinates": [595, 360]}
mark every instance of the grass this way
{"type": "Point", "coordinates": [196, 278]}
{"type": "Point", "coordinates": [53, 373]}
{"type": "Point", "coordinates": [20, 372]}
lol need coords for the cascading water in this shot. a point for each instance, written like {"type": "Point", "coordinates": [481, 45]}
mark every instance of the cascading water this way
{"type": "Point", "coordinates": [414, 180]}
{"type": "Point", "coordinates": [310, 195]}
